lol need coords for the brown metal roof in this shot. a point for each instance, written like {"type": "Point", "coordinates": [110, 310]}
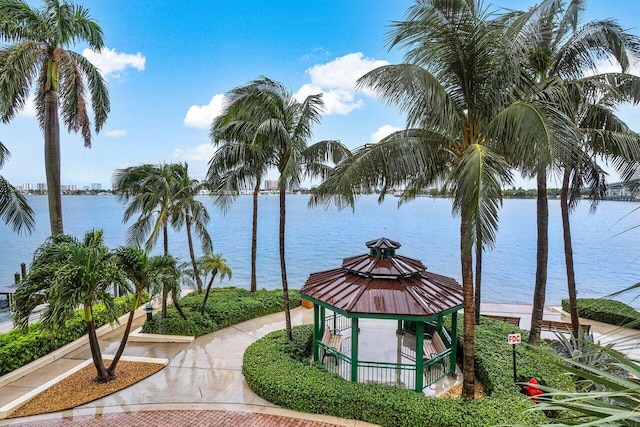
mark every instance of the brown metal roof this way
{"type": "Point", "coordinates": [389, 285]}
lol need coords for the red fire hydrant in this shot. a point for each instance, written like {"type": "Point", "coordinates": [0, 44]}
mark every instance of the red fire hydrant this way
{"type": "Point", "coordinates": [531, 390]}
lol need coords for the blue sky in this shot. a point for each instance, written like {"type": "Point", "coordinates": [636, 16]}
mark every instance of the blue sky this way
{"type": "Point", "coordinates": [169, 63]}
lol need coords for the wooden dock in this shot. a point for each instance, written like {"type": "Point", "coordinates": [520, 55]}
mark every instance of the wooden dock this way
{"type": "Point", "coordinates": [7, 290]}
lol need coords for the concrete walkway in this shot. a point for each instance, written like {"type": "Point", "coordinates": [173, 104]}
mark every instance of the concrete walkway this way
{"type": "Point", "coordinates": [203, 383]}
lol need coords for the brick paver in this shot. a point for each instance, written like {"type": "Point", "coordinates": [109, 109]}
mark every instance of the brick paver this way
{"type": "Point", "coordinates": [179, 418]}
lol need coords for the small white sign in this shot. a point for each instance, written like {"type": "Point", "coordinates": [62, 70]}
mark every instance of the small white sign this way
{"type": "Point", "coordinates": [514, 339]}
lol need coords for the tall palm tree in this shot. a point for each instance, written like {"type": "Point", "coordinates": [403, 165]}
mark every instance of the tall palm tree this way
{"type": "Point", "coordinates": [240, 163]}
{"type": "Point", "coordinates": [14, 208]}
{"type": "Point", "coordinates": [68, 273]}
{"type": "Point", "coordinates": [190, 212]}
{"type": "Point", "coordinates": [37, 56]}
{"type": "Point", "coordinates": [281, 125]}
{"type": "Point", "coordinates": [213, 264]}
{"type": "Point", "coordinates": [458, 88]}
{"type": "Point", "coordinates": [557, 53]}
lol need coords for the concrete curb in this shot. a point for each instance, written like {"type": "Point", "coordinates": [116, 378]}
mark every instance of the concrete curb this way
{"type": "Point", "coordinates": [63, 351]}
{"type": "Point", "coordinates": [138, 336]}
{"type": "Point", "coordinates": [12, 406]}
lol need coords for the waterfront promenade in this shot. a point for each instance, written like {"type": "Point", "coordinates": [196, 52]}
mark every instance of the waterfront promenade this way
{"type": "Point", "coordinates": [203, 382]}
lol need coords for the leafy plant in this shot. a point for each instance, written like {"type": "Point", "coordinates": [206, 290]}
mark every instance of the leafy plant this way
{"type": "Point", "coordinates": [606, 311]}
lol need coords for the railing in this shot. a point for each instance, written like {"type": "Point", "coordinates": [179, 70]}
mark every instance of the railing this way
{"type": "Point", "coordinates": [436, 368]}
{"type": "Point", "coordinates": [337, 323]}
{"type": "Point", "coordinates": [399, 374]}
{"type": "Point", "coordinates": [335, 361]}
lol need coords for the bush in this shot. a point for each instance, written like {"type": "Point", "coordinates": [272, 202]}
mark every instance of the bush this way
{"type": "Point", "coordinates": [19, 347]}
{"type": "Point", "coordinates": [281, 373]}
{"type": "Point", "coordinates": [225, 307]}
{"type": "Point", "coordinates": [606, 311]}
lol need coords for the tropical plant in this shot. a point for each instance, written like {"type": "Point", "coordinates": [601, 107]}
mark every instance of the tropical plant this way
{"type": "Point", "coordinates": [280, 126]}
{"type": "Point", "coordinates": [239, 163]}
{"type": "Point", "coordinates": [213, 264]}
{"type": "Point", "coordinates": [36, 55]}
{"type": "Point", "coordinates": [559, 59]}
{"type": "Point", "coordinates": [458, 87]}
{"type": "Point", "coordinates": [68, 273]}
{"type": "Point", "coordinates": [14, 208]}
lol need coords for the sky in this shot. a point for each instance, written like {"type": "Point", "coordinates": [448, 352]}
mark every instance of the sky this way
{"type": "Point", "coordinates": [168, 65]}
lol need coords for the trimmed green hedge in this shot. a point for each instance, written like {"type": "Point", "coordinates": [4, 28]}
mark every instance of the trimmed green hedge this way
{"type": "Point", "coordinates": [607, 311]}
{"type": "Point", "coordinates": [225, 307]}
{"type": "Point", "coordinates": [280, 372]}
{"type": "Point", "coordinates": [19, 347]}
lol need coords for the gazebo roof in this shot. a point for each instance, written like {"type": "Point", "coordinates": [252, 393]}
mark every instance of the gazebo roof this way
{"type": "Point", "coordinates": [382, 283]}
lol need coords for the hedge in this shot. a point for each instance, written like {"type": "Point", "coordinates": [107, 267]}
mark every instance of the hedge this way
{"type": "Point", "coordinates": [280, 372]}
{"type": "Point", "coordinates": [19, 347]}
{"type": "Point", "coordinates": [607, 311]}
{"type": "Point", "coordinates": [225, 307]}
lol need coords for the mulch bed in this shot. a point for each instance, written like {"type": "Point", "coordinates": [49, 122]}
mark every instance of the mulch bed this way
{"type": "Point", "coordinates": [456, 391]}
{"type": "Point", "coordinates": [79, 388]}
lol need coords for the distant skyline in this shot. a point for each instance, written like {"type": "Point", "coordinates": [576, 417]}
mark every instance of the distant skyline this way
{"type": "Point", "coordinates": [168, 65]}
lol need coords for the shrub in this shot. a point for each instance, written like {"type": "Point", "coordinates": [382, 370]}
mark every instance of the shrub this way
{"type": "Point", "coordinates": [225, 307]}
{"type": "Point", "coordinates": [606, 311]}
{"type": "Point", "coordinates": [19, 347]}
{"type": "Point", "coordinates": [280, 372]}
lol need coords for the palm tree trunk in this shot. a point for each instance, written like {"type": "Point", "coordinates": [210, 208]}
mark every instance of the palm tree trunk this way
{"type": "Point", "coordinates": [165, 237]}
{"type": "Point", "coordinates": [478, 278]}
{"type": "Point", "coordinates": [568, 254]}
{"type": "Point", "coordinates": [468, 346]}
{"type": "Point", "coordinates": [165, 296]}
{"type": "Point", "coordinates": [283, 266]}
{"type": "Point", "coordinates": [125, 337]}
{"type": "Point", "coordinates": [206, 295]}
{"type": "Point", "coordinates": [165, 292]}
{"type": "Point", "coordinates": [103, 375]}
{"type": "Point", "coordinates": [194, 265]}
{"type": "Point", "coordinates": [254, 236]}
{"type": "Point", "coordinates": [542, 256]}
{"type": "Point", "coordinates": [52, 161]}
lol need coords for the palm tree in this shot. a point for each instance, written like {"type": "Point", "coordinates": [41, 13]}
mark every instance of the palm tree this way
{"type": "Point", "coordinates": [37, 56]}
{"type": "Point", "coordinates": [558, 53]}
{"type": "Point", "coordinates": [458, 88]}
{"type": "Point", "coordinates": [213, 264]}
{"type": "Point", "coordinates": [68, 273]}
{"type": "Point", "coordinates": [14, 209]}
{"type": "Point", "coordinates": [239, 163]}
{"type": "Point", "coordinates": [280, 125]}
{"type": "Point", "coordinates": [188, 211]}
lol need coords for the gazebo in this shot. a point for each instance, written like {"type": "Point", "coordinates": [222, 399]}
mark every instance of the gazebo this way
{"type": "Point", "coordinates": [382, 286]}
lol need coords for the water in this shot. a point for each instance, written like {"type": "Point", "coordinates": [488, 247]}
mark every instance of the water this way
{"type": "Point", "coordinates": [318, 239]}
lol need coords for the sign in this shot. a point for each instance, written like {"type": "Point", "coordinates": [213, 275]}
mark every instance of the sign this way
{"type": "Point", "coordinates": [514, 339]}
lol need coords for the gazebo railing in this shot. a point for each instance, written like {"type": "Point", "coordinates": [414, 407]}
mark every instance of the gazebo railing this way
{"type": "Point", "coordinates": [335, 361]}
{"type": "Point", "coordinates": [337, 323]}
{"type": "Point", "coordinates": [436, 367]}
{"type": "Point", "coordinates": [399, 374]}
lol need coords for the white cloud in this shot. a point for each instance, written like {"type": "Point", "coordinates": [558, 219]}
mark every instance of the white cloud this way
{"type": "Point", "coordinates": [116, 133]}
{"type": "Point", "coordinates": [29, 109]}
{"type": "Point", "coordinates": [110, 62]}
{"type": "Point", "coordinates": [201, 116]}
{"type": "Point", "coordinates": [337, 81]}
{"type": "Point", "coordinates": [202, 152]}
{"type": "Point", "coordinates": [382, 132]}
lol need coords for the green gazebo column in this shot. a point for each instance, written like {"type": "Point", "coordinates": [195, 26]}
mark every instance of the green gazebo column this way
{"type": "Point", "coordinates": [454, 342]}
{"type": "Point", "coordinates": [317, 335]}
{"type": "Point", "coordinates": [419, 356]}
{"type": "Point", "coordinates": [354, 350]}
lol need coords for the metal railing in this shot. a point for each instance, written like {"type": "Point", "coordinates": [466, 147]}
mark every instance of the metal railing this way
{"type": "Point", "coordinates": [337, 323]}
{"type": "Point", "coordinates": [335, 361]}
{"type": "Point", "coordinates": [398, 374]}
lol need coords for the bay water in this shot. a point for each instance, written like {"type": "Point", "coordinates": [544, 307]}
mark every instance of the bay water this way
{"type": "Point", "coordinates": [607, 258]}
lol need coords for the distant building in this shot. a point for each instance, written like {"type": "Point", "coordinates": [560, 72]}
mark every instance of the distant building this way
{"type": "Point", "coordinates": [96, 186]}
{"type": "Point", "coordinates": [114, 186]}
{"type": "Point", "coordinates": [27, 187]}
{"type": "Point", "coordinates": [271, 184]}
{"type": "Point", "coordinates": [41, 186]}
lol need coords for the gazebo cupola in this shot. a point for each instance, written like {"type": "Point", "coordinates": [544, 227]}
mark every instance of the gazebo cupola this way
{"type": "Point", "coordinates": [386, 286]}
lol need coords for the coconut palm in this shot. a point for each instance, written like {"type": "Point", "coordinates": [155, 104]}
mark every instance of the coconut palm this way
{"type": "Point", "coordinates": [190, 212]}
{"type": "Point", "coordinates": [68, 273]}
{"type": "Point", "coordinates": [36, 55]}
{"type": "Point", "coordinates": [558, 53]}
{"type": "Point", "coordinates": [458, 87]}
{"type": "Point", "coordinates": [280, 125]}
{"type": "Point", "coordinates": [240, 163]}
{"type": "Point", "coordinates": [14, 209]}
{"type": "Point", "coordinates": [213, 264]}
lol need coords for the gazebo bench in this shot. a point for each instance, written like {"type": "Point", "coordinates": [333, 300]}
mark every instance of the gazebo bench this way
{"type": "Point", "coordinates": [515, 321]}
{"type": "Point", "coordinates": [331, 340]}
{"type": "Point", "coordinates": [434, 347]}
{"type": "Point", "coordinates": [556, 325]}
